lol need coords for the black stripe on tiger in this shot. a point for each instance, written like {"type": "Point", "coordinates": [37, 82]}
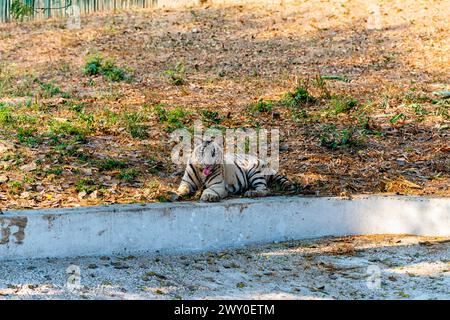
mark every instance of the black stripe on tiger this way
{"type": "Point", "coordinates": [212, 176]}
{"type": "Point", "coordinates": [214, 191]}
{"type": "Point", "coordinates": [244, 177]}
{"type": "Point", "coordinates": [256, 185]}
{"type": "Point", "coordinates": [192, 179]}
{"type": "Point", "coordinates": [282, 182]}
{"type": "Point", "coordinates": [253, 170]}
{"type": "Point", "coordinates": [258, 181]}
{"type": "Point", "coordinates": [191, 186]}
{"type": "Point", "coordinates": [196, 176]}
{"type": "Point", "coordinates": [239, 183]}
{"type": "Point", "coordinates": [215, 183]}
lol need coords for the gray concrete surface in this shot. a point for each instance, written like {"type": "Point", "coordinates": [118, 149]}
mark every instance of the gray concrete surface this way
{"type": "Point", "coordinates": [185, 227]}
{"type": "Point", "coordinates": [355, 267]}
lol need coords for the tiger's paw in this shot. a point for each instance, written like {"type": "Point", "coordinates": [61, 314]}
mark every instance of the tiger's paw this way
{"type": "Point", "coordinates": [256, 193]}
{"type": "Point", "coordinates": [209, 196]}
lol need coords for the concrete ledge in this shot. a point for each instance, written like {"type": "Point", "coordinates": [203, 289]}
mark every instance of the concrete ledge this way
{"type": "Point", "coordinates": [202, 226]}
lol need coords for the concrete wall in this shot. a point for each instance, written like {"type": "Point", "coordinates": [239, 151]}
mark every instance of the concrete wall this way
{"type": "Point", "coordinates": [204, 226]}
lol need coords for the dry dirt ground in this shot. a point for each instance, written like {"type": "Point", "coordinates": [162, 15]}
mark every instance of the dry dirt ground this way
{"type": "Point", "coordinates": [363, 267]}
{"type": "Point", "coordinates": [367, 113]}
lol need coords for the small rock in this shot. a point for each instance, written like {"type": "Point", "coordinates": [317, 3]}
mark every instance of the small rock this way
{"type": "Point", "coordinates": [195, 30]}
{"type": "Point", "coordinates": [120, 265]}
{"type": "Point", "coordinates": [321, 288]}
{"type": "Point", "coordinates": [28, 167]}
{"type": "Point", "coordinates": [191, 287]}
{"type": "Point", "coordinates": [4, 147]}
{"type": "Point", "coordinates": [284, 147]}
{"type": "Point", "coordinates": [24, 195]}
{"type": "Point", "coordinates": [154, 274]}
{"type": "Point", "coordinates": [210, 279]}
{"type": "Point", "coordinates": [213, 269]}
{"type": "Point", "coordinates": [93, 195]}
{"type": "Point", "coordinates": [86, 171]}
{"type": "Point", "coordinates": [392, 278]}
{"type": "Point", "coordinates": [82, 194]}
{"type": "Point", "coordinates": [401, 161]}
{"type": "Point", "coordinates": [198, 267]}
{"type": "Point", "coordinates": [170, 284]}
{"type": "Point", "coordinates": [231, 265]}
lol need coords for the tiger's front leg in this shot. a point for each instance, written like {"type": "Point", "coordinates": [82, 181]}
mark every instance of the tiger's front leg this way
{"type": "Point", "coordinates": [214, 193]}
{"type": "Point", "coordinates": [184, 189]}
{"type": "Point", "coordinates": [215, 188]}
{"type": "Point", "coordinates": [189, 183]}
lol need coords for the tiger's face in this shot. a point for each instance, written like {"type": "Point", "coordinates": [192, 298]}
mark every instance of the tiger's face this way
{"type": "Point", "coordinates": [206, 156]}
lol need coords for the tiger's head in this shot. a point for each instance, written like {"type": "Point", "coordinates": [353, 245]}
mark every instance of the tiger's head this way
{"type": "Point", "coordinates": [206, 156]}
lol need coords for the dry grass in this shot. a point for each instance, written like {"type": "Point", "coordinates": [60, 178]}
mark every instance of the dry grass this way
{"type": "Point", "coordinates": [115, 149]}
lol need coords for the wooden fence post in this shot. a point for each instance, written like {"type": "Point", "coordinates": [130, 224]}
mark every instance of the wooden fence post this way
{"type": "Point", "coordinates": [48, 12]}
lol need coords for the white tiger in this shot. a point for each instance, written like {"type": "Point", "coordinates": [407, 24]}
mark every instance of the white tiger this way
{"type": "Point", "coordinates": [207, 168]}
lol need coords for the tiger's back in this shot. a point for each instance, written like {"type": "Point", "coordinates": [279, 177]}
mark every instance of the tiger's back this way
{"type": "Point", "coordinates": [245, 173]}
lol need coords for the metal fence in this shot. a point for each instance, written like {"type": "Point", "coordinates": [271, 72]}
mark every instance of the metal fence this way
{"type": "Point", "coordinates": [44, 9]}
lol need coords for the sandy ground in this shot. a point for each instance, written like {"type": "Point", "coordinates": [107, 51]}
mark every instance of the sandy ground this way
{"type": "Point", "coordinates": [363, 267]}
